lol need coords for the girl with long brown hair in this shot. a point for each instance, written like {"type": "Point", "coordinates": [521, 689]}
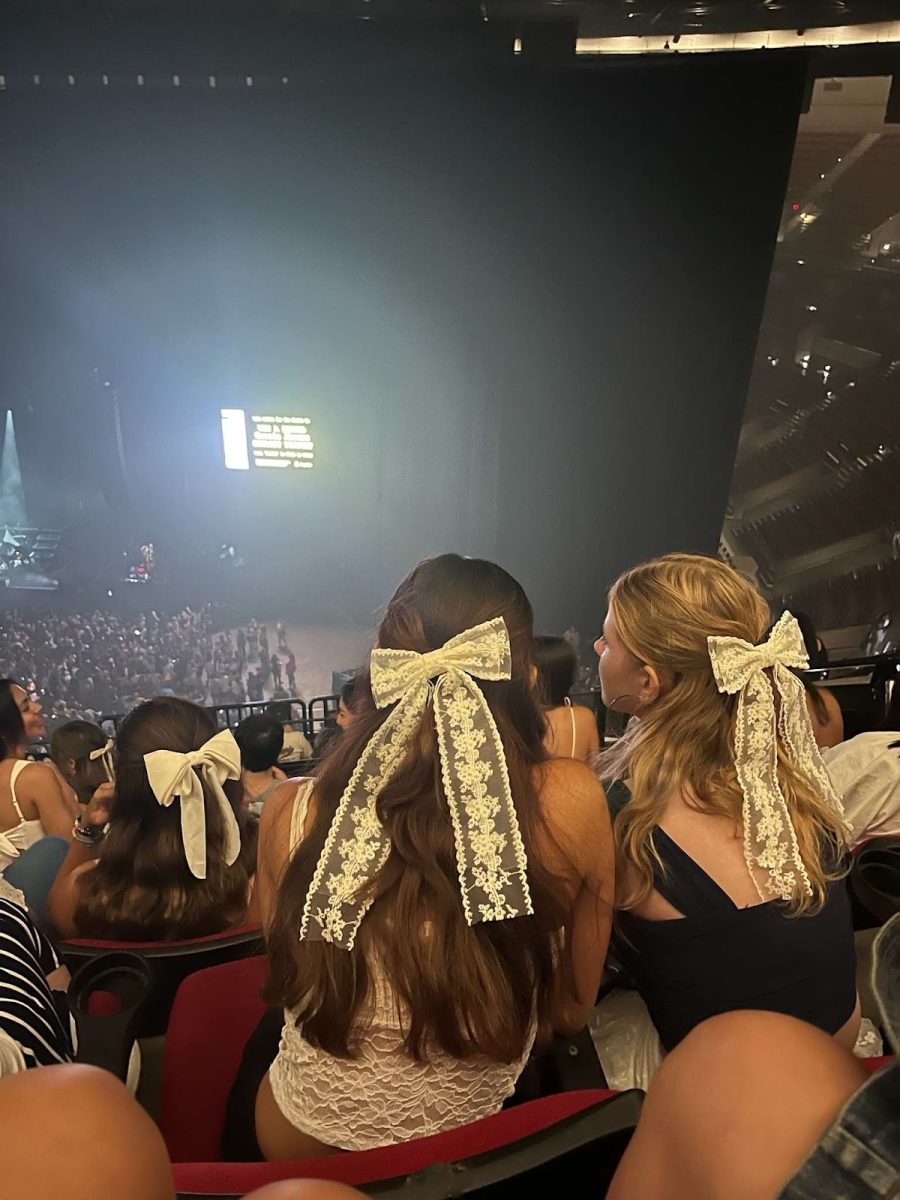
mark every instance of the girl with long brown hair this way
{"type": "Point", "coordinates": [439, 897]}
{"type": "Point", "coordinates": [731, 839]}
{"type": "Point", "coordinates": [163, 852]}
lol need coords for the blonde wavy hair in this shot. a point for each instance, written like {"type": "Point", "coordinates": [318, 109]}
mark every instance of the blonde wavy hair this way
{"type": "Point", "coordinates": [664, 612]}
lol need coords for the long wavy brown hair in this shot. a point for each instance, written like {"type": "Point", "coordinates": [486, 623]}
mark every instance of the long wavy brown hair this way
{"type": "Point", "coordinates": [141, 888]}
{"type": "Point", "coordinates": [463, 990]}
{"type": "Point", "coordinates": [664, 611]}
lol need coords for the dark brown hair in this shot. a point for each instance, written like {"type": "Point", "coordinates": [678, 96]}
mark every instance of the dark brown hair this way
{"type": "Point", "coordinates": [463, 990]}
{"type": "Point", "coordinates": [12, 727]}
{"type": "Point", "coordinates": [141, 888]}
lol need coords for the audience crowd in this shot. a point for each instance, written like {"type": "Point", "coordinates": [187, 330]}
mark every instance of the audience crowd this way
{"type": "Point", "coordinates": [88, 664]}
{"type": "Point", "coordinates": [454, 881]}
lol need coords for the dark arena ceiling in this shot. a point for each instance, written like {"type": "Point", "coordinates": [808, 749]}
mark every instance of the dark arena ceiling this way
{"type": "Point", "coordinates": [595, 18]}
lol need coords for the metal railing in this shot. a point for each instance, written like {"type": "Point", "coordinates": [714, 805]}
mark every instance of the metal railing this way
{"type": "Point", "coordinates": [227, 716]}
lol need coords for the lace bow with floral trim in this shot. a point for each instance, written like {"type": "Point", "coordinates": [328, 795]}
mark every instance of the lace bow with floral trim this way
{"type": "Point", "coordinates": [770, 841]}
{"type": "Point", "coordinates": [490, 853]}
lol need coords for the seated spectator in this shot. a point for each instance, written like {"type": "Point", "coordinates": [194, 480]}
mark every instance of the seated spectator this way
{"type": "Point", "coordinates": [824, 710]}
{"type": "Point", "coordinates": [755, 1105]}
{"type": "Point", "coordinates": [816, 651]}
{"type": "Point", "coordinates": [571, 729]}
{"type": "Point", "coordinates": [164, 853]}
{"type": "Point", "coordinates": [295, 746]}
{"type": "Point", "coordinates": [337, 722]}
{"type": "Point", "coordinates": [866, 774]}
{"type": "Point", "coordinates": [260, 739]}
{"type": "Point", "coordinates": [451, 885]}
{"type": "Point", "coordinates": [32, 802]}
{"type": "Point", "coordinates": [36, 1029]}
{"type": "Point", "coordinates": [731, 839]}
{"type": "Point", "coordinates": [825, 715]}
{"type": "Point", "coordinates": [81, 753]}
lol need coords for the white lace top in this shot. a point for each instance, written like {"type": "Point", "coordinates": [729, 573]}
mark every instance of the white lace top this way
{"type": "Point", "coordinates": [382, 1096]}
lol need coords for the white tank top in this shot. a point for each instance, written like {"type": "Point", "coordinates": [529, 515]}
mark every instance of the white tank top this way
{"type": "Point", "coordinates": [26, 833]}
{"type": "Point", "coordinates": [381, 1097]}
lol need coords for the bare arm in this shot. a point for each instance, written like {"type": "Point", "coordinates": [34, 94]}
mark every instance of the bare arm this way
{"type": "Point", "coordinates": [63, 899]}
{"type": "Point", "coordinates": [273, 852]}
{"type": "Point", "coordinates": [578, 818]}
{"type": "Point", "coordinates": [41, 793]}
{"type": "Point", "coordinates": [593, 735]}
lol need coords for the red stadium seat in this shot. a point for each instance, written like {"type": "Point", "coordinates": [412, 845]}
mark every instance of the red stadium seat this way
{"type": "Point", "coordinates": [590, 1129]}
{"type": "Point", "coordinates": [875, 1064]}
{"type": "Point", "coordinates": [215, 1012]}
{"type": "Point", "coordinates": [169, 963]}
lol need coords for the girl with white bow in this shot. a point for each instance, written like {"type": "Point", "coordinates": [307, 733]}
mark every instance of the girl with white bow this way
{"type": "Point", "coordinates": [439, 897]}
{"type": "Point", "coordinates": [162, 853]}
{"type": "Point", "coordinates": [731, 840]}
{"type": "Point", "coordinates": [81, 753]}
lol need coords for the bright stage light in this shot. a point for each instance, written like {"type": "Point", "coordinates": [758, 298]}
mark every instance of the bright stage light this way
{"type": "Point", "coordinates": [234, 439]}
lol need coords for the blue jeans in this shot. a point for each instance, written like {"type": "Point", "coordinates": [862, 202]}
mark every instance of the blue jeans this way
{"type": "Point", "coordinates": [34, 871]}
{"type": "Point", "coordinates": [858, 1158]}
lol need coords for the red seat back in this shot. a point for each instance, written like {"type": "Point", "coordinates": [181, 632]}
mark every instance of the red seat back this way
{"type": "Point", "coordinates": [214, 1013]}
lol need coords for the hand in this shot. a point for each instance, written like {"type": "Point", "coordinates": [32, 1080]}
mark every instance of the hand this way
{"type": "Point", "coordinates": [96, 812]}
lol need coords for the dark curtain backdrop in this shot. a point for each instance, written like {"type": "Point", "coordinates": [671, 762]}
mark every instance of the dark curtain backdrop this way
{"type": "Point", "coordinates": [520, 305]}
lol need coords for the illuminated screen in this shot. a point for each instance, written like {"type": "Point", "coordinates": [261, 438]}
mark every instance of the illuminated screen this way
{"type": "Point", "coordinates": [266, 440]}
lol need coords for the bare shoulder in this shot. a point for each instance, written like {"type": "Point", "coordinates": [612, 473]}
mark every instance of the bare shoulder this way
{"type": "Point", "coordinates": [567, 783]}
{"type": "Point", "coordinates": [572, 801]}
{"type": "Point", "coordinates": [275, 819]}
{"type": "Point", "coordinates": [39, 779]}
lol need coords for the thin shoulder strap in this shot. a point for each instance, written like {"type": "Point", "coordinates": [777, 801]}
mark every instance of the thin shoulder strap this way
{"type": "Point", "coordinates": [685, 884]}
{"type": "Point", "coordinates": [17, 770]}
{"type": "Point", "coordinates": [572, 718]}
{"type": "Point", "coordinates": [300, 811]}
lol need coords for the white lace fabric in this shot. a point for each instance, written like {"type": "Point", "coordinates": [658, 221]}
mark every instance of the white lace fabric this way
{"type": "Point", "coordinates": [490, 853]}
{"type": "Point", "coordinates": [770, 842]}
{"type": "Point", "coordinates": [383, 1097]}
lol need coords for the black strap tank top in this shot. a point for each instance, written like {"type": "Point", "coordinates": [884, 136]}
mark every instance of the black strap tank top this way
{"type": "Point", "coordinates": [718, 957]}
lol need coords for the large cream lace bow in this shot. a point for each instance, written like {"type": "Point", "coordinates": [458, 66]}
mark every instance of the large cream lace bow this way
{"type": "Point", "coordinates": [770, 842]}
{"type": "Point", "coordinates": [172, 774]}
{"type": "Point", "coordinates": [490, 854]}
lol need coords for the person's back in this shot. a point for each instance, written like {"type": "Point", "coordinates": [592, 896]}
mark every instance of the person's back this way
{"type": "Point", "coordinates": [571, 729]}
{"type": "Point", "coordinates": [731, 837]}
{"type": "Point", "coordinates": [261, 740]}
{"type": "Point", "coordinates": [32, 801]}
{"type": "Point", "coordinates": [421, 979]}
{"type": "Point", "coordinates": [865, 772]}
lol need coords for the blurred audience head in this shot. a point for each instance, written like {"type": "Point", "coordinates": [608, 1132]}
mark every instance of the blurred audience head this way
{"type": "Point", "coordinates": [815, 649]}
{"type": "Point", "coordinates": [261, 740]}
{"type": "Point", "coordinates": [556, 664]}
{"type": "Point", "coordinates": [71, 748]}
{"type": "Point", "coordinates": [20, 719]}
{"type": "Point", "coordinates": [344, 715]}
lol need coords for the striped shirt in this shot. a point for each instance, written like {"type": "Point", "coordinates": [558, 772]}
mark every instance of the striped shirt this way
{"type": "Point", "coordinates": [35, 1025]}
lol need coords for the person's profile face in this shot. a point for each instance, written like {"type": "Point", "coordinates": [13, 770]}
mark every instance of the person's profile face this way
{"type": "Point", "coordinates": [344, 715]}
{"type": "Point", "coordinates": [32, 721]}
{"type": "Point", "coordinates": [621, 675]}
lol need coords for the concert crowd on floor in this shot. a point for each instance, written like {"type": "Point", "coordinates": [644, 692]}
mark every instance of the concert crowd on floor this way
{"type": "Point", "coordinates": [452, 884]}
{"type": "Point", "coordinates": [88, 664]}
